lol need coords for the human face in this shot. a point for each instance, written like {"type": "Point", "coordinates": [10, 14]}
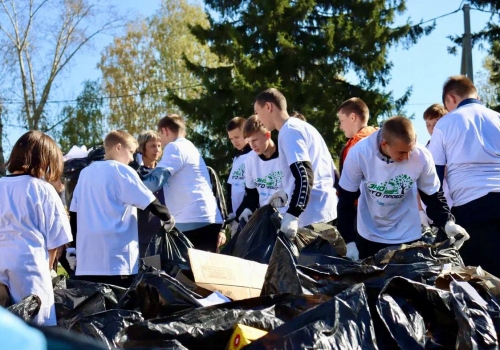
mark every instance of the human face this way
{"type": "Point", "coordinates": [265, 114]}
{"type": "Point", "coordinates": [429, 124]}
{"type": "Point", "coordinates": [236, 138]}
{"type": "Point", "coordinates": [398, 150]}
{"type": "Point", "coordinates": [259, 142]}
{"type": "Point", "coordinates": [152, 150]}
{"type": "Point", "coordinates": [124, 154]}
{"type": "Point", "coordinates": [347, 123]}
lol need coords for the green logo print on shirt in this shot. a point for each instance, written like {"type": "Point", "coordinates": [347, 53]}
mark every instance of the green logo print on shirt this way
{"type": "Point", "coordinates": [239, 174]}
{"type": "Point", "coordinates": [395, 188]}
{"type": "Point", "coordinates": [271, 181]}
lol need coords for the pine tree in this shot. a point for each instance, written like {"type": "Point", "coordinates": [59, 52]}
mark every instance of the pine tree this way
{"type": "Point", "coordinates": [304, 48]}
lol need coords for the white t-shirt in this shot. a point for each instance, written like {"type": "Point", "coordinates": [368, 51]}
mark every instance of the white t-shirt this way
{"type": "Point", "coordinates": [387, 206]}
{"type": "Point", "coordinates": [467, 142]}
{"type": "Point", "coordinates": [264, 175]}
{"type": "Point", "coordinates": [106, 199]}
{"type": "Point", "coordinates": [32, 221]}
{"type": "Point", "coordinates": [188, 192]}
{"type": "Point", "coordinates": [298, 141]}
{"type": "Point", "coordinates": [237, 180]}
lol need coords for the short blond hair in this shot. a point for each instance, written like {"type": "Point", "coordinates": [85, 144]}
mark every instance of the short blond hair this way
{"type": "Point", "coordinates": [252, 126]}
{"type": "Point", "coordinates": [119, 136]}
{"type": "Point", "coordinates": [145, 137]}
{"type": "Point", "coordinates": [435, 111]}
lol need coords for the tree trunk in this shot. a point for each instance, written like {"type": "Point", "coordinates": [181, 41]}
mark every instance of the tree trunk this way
{"type": "Point", "coordinates": [2, 159]}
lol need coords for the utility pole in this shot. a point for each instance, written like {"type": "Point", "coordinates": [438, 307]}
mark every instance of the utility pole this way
{"type": "Point", "coordinates": [466, 68]}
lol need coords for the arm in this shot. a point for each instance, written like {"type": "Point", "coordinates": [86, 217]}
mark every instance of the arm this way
{"type": "Point", "coordinates": [437, 209]}
{"type": "Point", "coordinates": [250, 201]}
{"type": "Point", "coordinates": [336, 180]}
{"type": "Point", "coordinates": [159, 210]}
{"type": "Point", "coordinates": [229, 202]}
{"type": "Point", "coordinates": [346, 214]}
{"type": "Point", "coordinates": [304, 178]}
{"type": "Point", "coordinates": [156, 179]}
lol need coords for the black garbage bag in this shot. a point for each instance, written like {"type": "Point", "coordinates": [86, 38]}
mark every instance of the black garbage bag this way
{"type": "Point", "coordinates": [59, 282]}
{"type": "Point", "coordinates": [71, 173]}
{"type": "Point", "coordinates": [96, 153]}
{"type": "Point", "coordinates": [281, 275]}
{"type": "Point", "coordinates": [344, 322]}
{"type": "Point", "coordinates": [417, 316]}
{"type": "Point", "coordinates": [476, 327]}
{"type": "Point", "coordinates": [27, 308]}
{"type": "Point", "coordinates": [156, 294]}
{"type": "Point", "coordinates": [320, 239]}
{"type": "Point", "coordinates": [58, 339]}
{"type": "Point", "coordinates": [441, 253]}
{"type": "Point", "coordinates": [212, 327]}
{"type": "Point", "coordinates": [83, 298]}
{"type": "Point", "coordinates": [173, 250]}
{"type": "Point", "coordinates": [104, 326]}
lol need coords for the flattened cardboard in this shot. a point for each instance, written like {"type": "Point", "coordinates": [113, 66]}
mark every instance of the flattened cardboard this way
{"type": "Point", "coordinates": [236, 278]}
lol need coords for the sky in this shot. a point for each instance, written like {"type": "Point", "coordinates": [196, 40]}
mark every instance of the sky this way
{"type": "Point", "coordinates": [424, 66]}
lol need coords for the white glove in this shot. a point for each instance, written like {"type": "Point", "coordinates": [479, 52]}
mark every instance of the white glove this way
{"type": "Point", "coordinates": [53, 274]}
{"type": "Point", "coordinates": [289, 225]}
{"type": "Point", "coordinates": [424, 219]}
{"type": "Point", "coordinates": [168, 225]}
{"type": "Point", "coordinates": [245, 215]}
{"type": "Point", "coordinates": [234, 228]}
{"type": "Point", "coordinates": [352, 251]}
{"type": "Point", "coordinates": [452, 230]}
{"type": "Point", "coordinates": [71, 257]}
{"type": "Point", "coordinates": [278, 199]}
{"type": "Point", "coordinates": [230, 218]}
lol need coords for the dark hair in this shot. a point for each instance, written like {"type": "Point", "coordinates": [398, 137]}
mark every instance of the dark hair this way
{"type": "Point", "coordinates": [235, 123]}
{"type": "Point", "coordinates": [398, 128]}
{"type": "Point", "coordinates": [273, 96]}
{"type": "Point", "coordinates": [434, 111]}
{"type": "Point", "coordinates": [253, 125]}
{"type": "Point", "coordinates": [173, 122]}
{"type": "Point", "coordinates": [357, 106]}
{"type": "Point", "coordinates": [459, 85]}
{"type": "Point", "coordinates": [298, 115]}
{"type": "Point", "coordinates": [119, 136]}
{"type": "Point", "coordinates": [38, 155]}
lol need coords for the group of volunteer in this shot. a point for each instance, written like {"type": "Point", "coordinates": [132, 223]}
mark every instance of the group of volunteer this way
{"type": "Point", "coordinates": [387, 188]}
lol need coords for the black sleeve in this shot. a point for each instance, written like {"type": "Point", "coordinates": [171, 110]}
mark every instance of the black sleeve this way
{"type": "Point", "coordinates": [159, 210]}
{"type": "Point", "coordinates": [229, 202]}
{"type": "Point", "coordinates": [250, 201]}
{"type": "Point", "coordinates": [346, 214]}
{"type": "Point", "coordinates": [437, 209]}
{"type": "Point", "coordinates": [304, 178]}
{"type": "Point", "coordinates": [337, 180]}
{"type": "Point", "coordinates": [440, 173]}
{"type": "Point", "coordinates": [72, 223]}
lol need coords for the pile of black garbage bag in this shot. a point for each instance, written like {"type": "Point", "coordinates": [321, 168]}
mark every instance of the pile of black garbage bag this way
{"type": "Point", "coordinates": [417, 296]}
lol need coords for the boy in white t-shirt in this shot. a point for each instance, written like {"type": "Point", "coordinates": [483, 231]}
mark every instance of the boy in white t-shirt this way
{"type": "Point", "coordinates": [306, 163]}
{"type": "Point", "coordinates": [188, 192]}
{"type": "Point", "coordinates": [263, 173]}
{"type": "Point", "coordinates": [236, 180]}
{"type": "Point", "coordinates": [105, 202]}
{"type": "Point", "coordinates": [383, 170]}
{"type": "Point", "coordinates": [466, 142]}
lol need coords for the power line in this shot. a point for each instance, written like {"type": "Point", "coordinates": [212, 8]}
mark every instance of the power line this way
{"type": "Point", "coordinates": [109, 97]}
{"type": "Point", "coordinates": [438, 17]}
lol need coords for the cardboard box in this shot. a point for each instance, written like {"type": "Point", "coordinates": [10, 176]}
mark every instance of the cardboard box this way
{"type": "Point", "coordinates": [236, 278]}
{"type": "Point", "coordinates": [244, 335]}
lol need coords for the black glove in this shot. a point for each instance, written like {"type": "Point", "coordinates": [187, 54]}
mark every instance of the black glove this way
{"type": "Point", "coordinates": [168, 225]}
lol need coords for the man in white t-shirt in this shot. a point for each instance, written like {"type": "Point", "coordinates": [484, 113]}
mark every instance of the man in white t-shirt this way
{"type": "Point", "coordinates": [263, 173]}
{"type": "Point", "coordinates": [383, 170]}
{"type": "Point", "coordinates": [467, 142]}
{"type": "Point", "coordinates": [308, 169]}
{"type": "Point", "coordinates": [188, 192]}
{"type": "Point", "coordinates": [236, 180]}
{"type": "Point", "coordinates": [105, 203]}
